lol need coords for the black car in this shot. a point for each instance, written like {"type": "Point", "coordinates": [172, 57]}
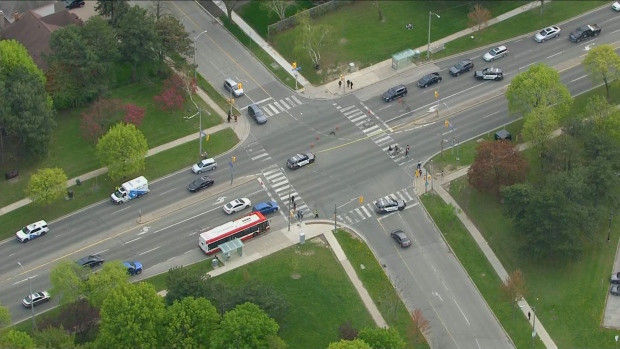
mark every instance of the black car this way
{"type": "Point", "coordinates": [257, 114]}
{"type": "Point", "coordinates": [386, 205]}
{"type": "Point", "coordinates": [489, 74]}
{"type": "Point", "coordinates": [461, 67]}
{"type": "Point", "coordinates": [401, 238]}
{"type": "Point", "coordinates": [395, 92]}
{"type": "Point", "coordinates": [615, 290]}
{"type": "Point", "coordinates": [300, 160]}
{"type": "Point", "coordinates": [200, 183]}
{"type": "Point", "coordinates": [94, 260]}
{"type": "Point", "coordinates": [429, 79]}
{"type": "Point", "coordinates": [74, 3]}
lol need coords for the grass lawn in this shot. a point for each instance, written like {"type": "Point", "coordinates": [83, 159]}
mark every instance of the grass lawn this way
{"type": "Point", "coordinates": [100, 188]}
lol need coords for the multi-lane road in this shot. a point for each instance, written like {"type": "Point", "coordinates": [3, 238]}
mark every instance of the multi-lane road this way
{"type": "Point", "coordinates": [350, 163]}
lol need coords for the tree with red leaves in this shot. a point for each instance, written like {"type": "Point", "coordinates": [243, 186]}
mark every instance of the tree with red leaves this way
{"type": "Point", "coordinates": [172, 95]}
{"type": "Point", "coordinates": [134, 114]}
{"type": "Point", "coordinates": [99, 117]}
{"type": "Point", "coordinates": [497, 164]}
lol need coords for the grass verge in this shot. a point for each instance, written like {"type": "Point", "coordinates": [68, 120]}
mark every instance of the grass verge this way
{"type": "Point", "coordinates": [100, 188]}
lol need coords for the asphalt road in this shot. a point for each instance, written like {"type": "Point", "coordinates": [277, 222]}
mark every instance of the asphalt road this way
{"type": "Point", "coordinates": [351, 162]}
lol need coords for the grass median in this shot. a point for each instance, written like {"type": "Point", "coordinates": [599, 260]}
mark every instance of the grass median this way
{"type": "Point", "coordinates": [100, 188]}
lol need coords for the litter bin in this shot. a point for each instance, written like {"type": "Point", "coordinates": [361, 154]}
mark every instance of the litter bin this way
{"type": "Point", "coordinates": [70, 194]}
{"type": "Point", "coordinates": [78, 181]}
{"type": "Point", "coordinates": [302, 238]}
{"type": "Point", "coordinates": [351, 67]}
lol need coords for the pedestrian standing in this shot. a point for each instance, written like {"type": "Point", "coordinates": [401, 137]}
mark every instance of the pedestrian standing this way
{"type": "Point", "coordinates": [294, 205]}
{"type": "Point", "coordinates": [407, 151]}
{"type": "Point", "coordinates": [235, 117]}
{"type": "Point", "coordinates": [293, 198]}
{"type": "Point", "coordinates": [316, 214]}
{"type": "Point", "coordinates": [351, 85]}
{"type": "Point", "coordinates": [339, 83]}
{"type": "Point", "coordinates": [529, 315]}
{"type": "Point", "coordinates": [229, 116]}
{"type": "Point", "coordinates": [348, 83]}
{"type": "Point", "coordinates": [420, 165]}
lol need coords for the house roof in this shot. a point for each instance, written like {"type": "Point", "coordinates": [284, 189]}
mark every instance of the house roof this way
{"type": "Point", "coordinates": [34, 32]}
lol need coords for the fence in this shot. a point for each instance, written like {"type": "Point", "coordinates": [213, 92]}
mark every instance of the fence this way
{"type": "Point", "coordinates": [314, 12]}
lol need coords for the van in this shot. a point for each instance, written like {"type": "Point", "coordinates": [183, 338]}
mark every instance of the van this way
{"type": "Point", "coordinates": [231, 86]}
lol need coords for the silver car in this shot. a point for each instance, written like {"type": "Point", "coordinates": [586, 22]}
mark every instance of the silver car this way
{"type": "Point", "coordinates": [495, 53]}
{"type": "Point", "coordinates": [547, 33]}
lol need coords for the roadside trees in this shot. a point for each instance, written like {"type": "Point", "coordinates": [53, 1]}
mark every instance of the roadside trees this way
{"type": "Point", "coordinates": [382, 338]}
{"type": "Point", "coordinates": [173, 39]}
{"type": "Point", "coordinates": [139, 43]}
{"type": "Point", "coordinates": [122, 150]}
{"type": "Point", "coordinates": [478, 16]}
{"type": "Point", "coordinates": [497, 164]}
{"type": "Point", "coordinates": [313, 37]}
{"type": "Point", "coordinates": [67, 279]}
{"type": "Point", "coordinates": [189, 323]}
{"type": "Point", "coordinates": [246, 326]}
{"type": "Point", "coordinates": [352, 344]}
{"type": "Point", "coordinates": [112, 8]}
{"type": "Point", "coordinates": [603, 62]}
{"type": "Point", "coordinates": [278, 7]}
{"type": "Point", "coordinates": [47, 186]}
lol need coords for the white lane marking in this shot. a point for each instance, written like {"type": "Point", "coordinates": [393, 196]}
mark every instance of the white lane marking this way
{"type": "Point", "coordinates": [264, 100]}
{"type": "Point", "coordinates": [484, 117]}
{"type": "Point", "coordinates": [153, 249]}
{"type": "Point", "coordinates": [138, 238]}
{"type": "Point", "coordinates": [26, 279]}
{"type": "Point", "coordinates": [555, 54]}
{"type": "Point", "coordinates": [100, 252]}
{"type": "Point", "coordinates": [461, 311]}
{"type": "Point", "coordinates": [167, 191]}
{"type": "Point", "coordinates": [579, 78]}
{"type": "Point", "coordinates": [525, 66]}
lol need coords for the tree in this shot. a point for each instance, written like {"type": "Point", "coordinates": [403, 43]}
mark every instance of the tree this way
{"type": "Point", "coordinates": [26, 113]}
{"type": "Point", "coordinates": [382, 338]}
{"type": "Point", "coordinates": [67, 280]}
{"type": "Point", "coordinates": [266, 297]}
{"type": "Point", "coordinates": [54, 337]}
{"type": "Point", "coordinates": [183, 282]}
{"type": "Point", "coordinates": [514, 288]}
{"type": "Point", "coordinates": [246, 326]}
{"type": "Point", "coordinates": [139, 43]}
{"type": "Point", "coordinates": [159, 9]}
{"type": "Point", "coordinates": [99, 117]}
{"type": "Point", "coordinates": [100, 284]}
{"type": "Point", "coordinates": [16, 340]}
{"type": "Point", "coordinates": [172, 95]}
{"type": "Point", "coordinates": [423, 326]}
{"type": "Point", "coordinates": [13, 55]}
{"type": "Point", "coordinates": [230, 6]}
{"type": "Point", "coordinates": [349, 344]}
{"type": "Point", "coordinates": [497, 164]}
{"type": "Point", "coordinates": [539, 125]}
{"type": "Point", "coordinates": [47, 186]}
{"type": "Point", "coordinates": [479, 16]}
{"type": "Point", "coordinates": [603, 62]}
{"type": "Point", "coordinates": [122, 150]}
{"type": "Point", "coordinates": [5, 316]}
{"type": "Point", "coordinates": [173, 39]}
{"type": "Point", "coordinates": [133, 114]}
{"type": "Point", "coordinates": [278, 7]}
{"type": "Point", "coordinates": [112, 8]}
{"type": "Point", "coordinates": [189, 323]}
{"type": "Point", "coordinates": [131, 317]}
{"type": "Point", "coordinates": [312, 37]}
{"type": "Point", "coordinates": [347, 331]}
{"type": "Point", "coordinates": [539, 86]}
{"type": "Point", "coordinates": [77, 317]}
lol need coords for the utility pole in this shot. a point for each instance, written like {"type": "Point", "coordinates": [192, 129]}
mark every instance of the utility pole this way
{"type": "Point", "coordinates": [34, 323]}
{"type": "Point", "coordinates": [197, 107]}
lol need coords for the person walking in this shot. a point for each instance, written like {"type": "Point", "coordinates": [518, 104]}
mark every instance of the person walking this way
{"type": "Point", "coordinates": [316, 214]}
{"type": "Point", "coordinates": [339, 83]}
{"type": "Point", "coordinates": [348, 83]}
{"type": "Point", "coordinates": [351, 85]}
{"type": "Point", "coordinates": [407, 151]}
{"type": "Point", "coordinates": [229, 116]}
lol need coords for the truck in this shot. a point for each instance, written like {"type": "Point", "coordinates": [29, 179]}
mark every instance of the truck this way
{"type": "Point", "coordinates": [584, 32]}
{"type": "Point", "coordinates": [132, 189]}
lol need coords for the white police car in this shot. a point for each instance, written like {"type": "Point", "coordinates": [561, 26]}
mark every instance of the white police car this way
{"type": "Point", "coordinates": [300, 160]}
{"type": "Point", "coordinates": [32, 231]}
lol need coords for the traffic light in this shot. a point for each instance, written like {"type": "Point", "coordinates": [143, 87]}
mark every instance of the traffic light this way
{"type": "Point", "coordinates": [436, 94]}
{"type": "Point", "coordinates": [361, 199]}
{"type": "Point", "coordinates": [294, 65]}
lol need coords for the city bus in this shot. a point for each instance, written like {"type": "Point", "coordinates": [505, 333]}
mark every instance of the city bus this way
{"type": "Point", "coordinates": [243, 228]}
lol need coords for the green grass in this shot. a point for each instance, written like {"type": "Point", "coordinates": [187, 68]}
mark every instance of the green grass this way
{"type": "Point", "coordinates": [259, 18]}
{"type": "Point", "coordinates": [100, 188]}
{"type": "Point", "coordinates": [380, 288]}
{"type": "Point", "coordinates": [481, 271]}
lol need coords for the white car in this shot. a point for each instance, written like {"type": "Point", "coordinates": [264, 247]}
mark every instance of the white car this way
{"type": "Point", "coordinates": [32, 231]}
{"type": "Point", "coordinates": [547, 33]}
{"type": "Point", "coordinates": [237, 205]}
{"type": "Point", "coordinates": [495, 53]}
{"type": "Point", "coordinates": [616, 6]}
{"type": "Point", "coordinates": [36, 299]}
{"type": "Point", "coordinates": [204, 165]}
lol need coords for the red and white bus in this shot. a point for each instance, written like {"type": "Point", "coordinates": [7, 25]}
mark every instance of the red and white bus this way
{"type": "Point", "coordinates": [243, 228]}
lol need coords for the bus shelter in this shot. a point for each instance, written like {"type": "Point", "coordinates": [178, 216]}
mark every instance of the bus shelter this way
{"type": "Point", "coordinates": [230, 246]}
{"type": "Point", "coordinates": [403, 58]}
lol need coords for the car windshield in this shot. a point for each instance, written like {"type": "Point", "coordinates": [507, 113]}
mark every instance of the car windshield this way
{"type": "Point", "coordinates": [25, 230]}
{"type": "Point", "coordinates": [459, 65]}
{"type": "Point", "coordinates": [492, 52]}
{"type": "Point", "coordinates": [543, 32]}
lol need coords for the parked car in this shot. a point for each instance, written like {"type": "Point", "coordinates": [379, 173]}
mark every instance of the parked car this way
{"type": "Point", "coordinates": [71, 4]}
{"type": "Point", "coordinates": [429, 79]}
{"type": "Point", "coordinates": [36, 299]}
{"type": "Point", "coordinates": [32, 231]}
{"type": "Point", "coordinates": [616, 6]}
{"type": "Point", "coordinates": [237, 205]}
{"type": "Point", "coordinates": [94, 260]}
{"type": "Point", "coordinates": [614, 290]}
{"type": "Point", "coordinates": [495, 53]}
{"type": "Point", "coordinates": [233, 87]}
{"type": "Point", "coordinates": [257, 114]}
{"type": "Point", "coordinates": [395, 92]}
{"type": "Point", "coordinates": [204, 165]}
{"type": "Point", "coordinates": [461, 67]}
{"type": "Point", "coordinates": [300, 160]}
{"type": "Point", "coordinates": [615, 278]}
{"type": "Point", "coordinates": [266, 207]}
{"type": "Point", "coordinates": [200, 183]}
{"type": "Point", "coordinates": [401, 238]}
{"type": "Point", "coordinates": [133, 267]}
{"type": "Point", "coordinates": [386, 205]}
{"type": "Point", "coordinates": [547, 33]}
{"type": "Point", "coordinates": [489, 73]}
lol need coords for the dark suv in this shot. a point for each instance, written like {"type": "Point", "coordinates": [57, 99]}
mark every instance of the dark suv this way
{"type": "Point", "coordinates": [395, 92]}
{"type": "Point", "coordinates": [70, 4]}
{"type": "Point", "coordinates": [462, 67]}
{"type": "Point", "coordinates": [94, 260]}
{"type": "Point", "coordinates": [257, 114]}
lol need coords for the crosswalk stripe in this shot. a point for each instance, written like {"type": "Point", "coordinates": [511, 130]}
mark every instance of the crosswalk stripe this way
{"type": "Point", "coordinates": [359, 213]}
{"type": "Point", "coordinates": [384, 139]}
{"type": "Point", "coordinates": [296, 100]}
{"type": "Point", "coordinates": [400, 196]}
{"type": "Point", "coordinates": [281, 186]}
{"type": "Point", "coordinates": [261, 156]}
{"type": "Point", "coordinates": [407, 195]}
{"type": "Point", "coordinates": [273, 108]}
{"type": "Point", "coordinates": [349, 220]}
{"type": "Point", "coordinates": [279, 106]}
{"type": "Point", "coordinates": [353, 112]}
{"type": "Point", "coordinates": [284, 104]}
{"type": "Point", "coordinates": [270, 172]}
{"type": "Point", "coordinates": [268, 112]}
{"type": "Point", "coordinates": [358, 118]}
{"type": "Point", "coordinates": [278, 181]}
{"type": "Point", "coordinates": [363, 208]}
{"type": "Point", "coordinates": [342, 110]}
{"type": "Point", "coordinates": [271, 176]}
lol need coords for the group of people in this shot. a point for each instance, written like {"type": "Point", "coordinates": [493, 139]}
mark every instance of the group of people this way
{"type": "Point", "coordinates": [396, 150]}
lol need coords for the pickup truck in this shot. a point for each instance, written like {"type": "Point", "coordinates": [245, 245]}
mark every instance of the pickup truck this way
{"type": "Point", "coordinates": [584, 32]}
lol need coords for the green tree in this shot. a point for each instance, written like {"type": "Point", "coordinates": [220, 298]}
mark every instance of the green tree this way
{"type": "Point", "coordinates": [189, 323]}
{"type": "Point", "coordinates": [278, 7]}
{"type": "Point", "coordinates": [5, 316]}
{"type": "Point", "coordinates": [26, 112]}
{"type": "Point", "coordinates": [184, 282]}
{"type": "Point", "coordinates": [112, 8]}
{"type": "Point", "coordinates": [131, 317]}
{"type": "Point", "coordinates": [266, 297]}
{"type": "Point", "coordinates": [230, 6]}
{"type": "Point", "coordinates": [246, 326]}
{"type": "Point", "coordinates": [497, 164]}
{"type": "Point", "coordinates": [47, 185]}
{"type": "Point", "coordinates": [67, 279]}
{"type": "Point", "coordinates": [312, 38]}
{"type": "Point", "coordinates": [12, 339]}
{"type": "Point", "coordinates": [12, 55]}
{"type": "Point", "coordinates": [538, 126]}
{"type": "Point", "coordinates": [514, 288]}
{"type": "Point", "coordinates": [173, 39]}
{"type": "Point", "coordinates": [54, 338]}
{"type": "Point", "coordinates": [346, 344]}
{"type": "Point", "coordinates": [100, 284]}
{"type": "Point", "coordinates": [139, 43]}
{"type": "Point", "coordinates": [603, 62]}
{"type": "Point", "coordinates": [382, 338]}
{"type": "Point", "coordinates": [539, 86]}
{"type": "Point", "coordinates": [122, 150]}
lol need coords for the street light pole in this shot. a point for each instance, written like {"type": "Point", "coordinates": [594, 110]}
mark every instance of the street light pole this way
{"type": "Point", "coordinates": [199, 109]}
{"type": "Point", "coordinates": [428, 48]}
{"type": "Point", "coordinates": [34, 324]}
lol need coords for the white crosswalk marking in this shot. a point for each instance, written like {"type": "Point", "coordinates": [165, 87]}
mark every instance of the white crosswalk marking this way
{"type": "Point", "coordinates": [257, 152]}
{"type": "Point", "coordinates": [366, 211]}
{"type": "Point", "coordinates": [276, 179]}
{"type": "Point", "coordinates": [296, 100]}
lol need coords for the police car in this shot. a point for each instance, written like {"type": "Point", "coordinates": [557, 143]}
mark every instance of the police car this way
{"type": "Point", "coordinates": [300, 160]}
{"type": "Point", "coordinates": [32, 231]}
{"type": "Point", "coordinates": [489, 74]}
{"type": "Point", "coordinates": [387, 205]}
